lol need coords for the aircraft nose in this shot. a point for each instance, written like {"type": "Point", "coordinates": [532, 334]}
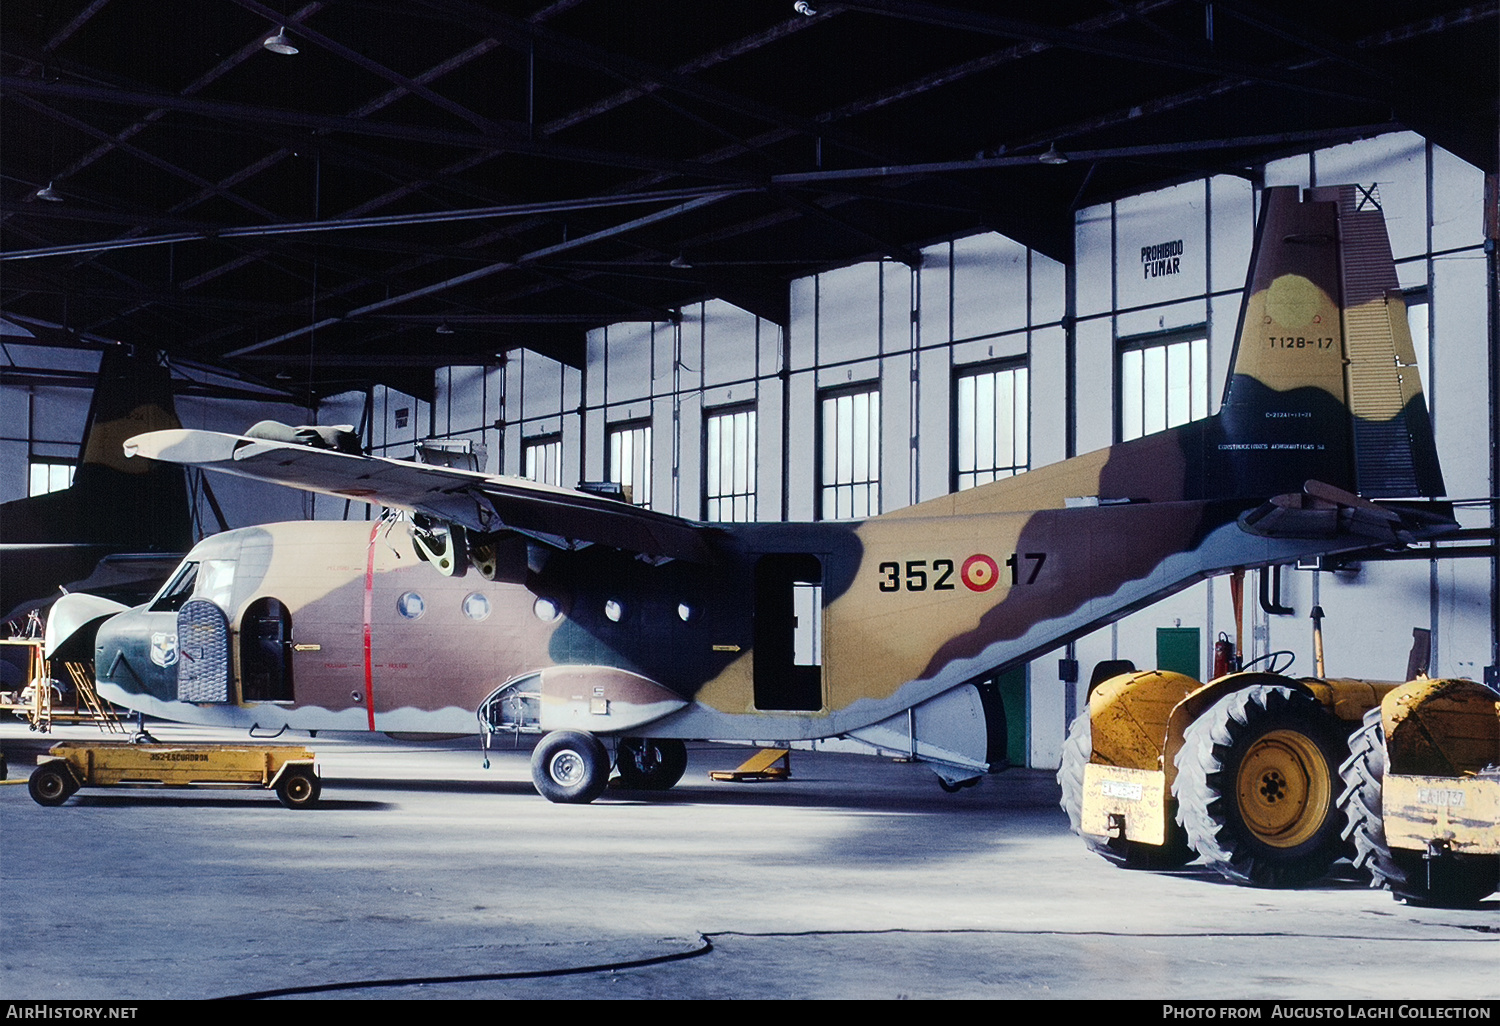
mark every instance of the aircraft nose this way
{"type": "Point", "coordinates": [123, 649]}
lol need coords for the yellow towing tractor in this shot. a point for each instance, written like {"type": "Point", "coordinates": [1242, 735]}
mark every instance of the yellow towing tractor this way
{"type": "Point", "coordinates": [289, 770]}
{"type": "Point", "coordinates": [1422, 792]}
{"type": "Point", "coordinates": [1270, 779]}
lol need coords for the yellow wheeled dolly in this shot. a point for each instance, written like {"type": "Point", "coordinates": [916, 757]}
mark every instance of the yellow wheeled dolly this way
{"type": "Point", "coordinates": [288, 769]}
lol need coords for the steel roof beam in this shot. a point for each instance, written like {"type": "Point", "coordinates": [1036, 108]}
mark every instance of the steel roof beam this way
{"type": "Point", "coordinates": [484, 272]}
{"type": "Point", "coordinates": [486, 125]}
{"type": "Point", "coordinates": [1182, 56]}
{"type": "Point", "coordinates": [227, 111]}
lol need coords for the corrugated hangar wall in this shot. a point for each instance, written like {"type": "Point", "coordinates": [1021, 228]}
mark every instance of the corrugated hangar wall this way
{"type": "Point", "coordinates": [982, 303]}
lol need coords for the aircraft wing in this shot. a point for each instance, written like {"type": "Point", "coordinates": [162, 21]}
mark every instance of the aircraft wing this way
{"type": "Point", "coordinates": [479, 502]}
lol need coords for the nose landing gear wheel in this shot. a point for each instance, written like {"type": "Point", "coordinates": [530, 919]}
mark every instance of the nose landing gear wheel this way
{"type": "Point", "coordinates": [570, 766]}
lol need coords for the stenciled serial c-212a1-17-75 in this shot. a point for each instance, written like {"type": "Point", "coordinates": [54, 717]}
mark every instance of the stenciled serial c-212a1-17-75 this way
{"type": "Point", "coordinates": [549, 610]}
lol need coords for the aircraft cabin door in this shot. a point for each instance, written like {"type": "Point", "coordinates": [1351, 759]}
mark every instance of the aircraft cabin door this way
{"type": "Point", "coordinates": [266, 652]}
{"type": "Point", "coordinates": [789, 632]}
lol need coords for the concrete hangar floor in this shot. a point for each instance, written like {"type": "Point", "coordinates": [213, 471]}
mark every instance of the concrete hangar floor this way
{"type": "Point", "coordinates": [422, 874]}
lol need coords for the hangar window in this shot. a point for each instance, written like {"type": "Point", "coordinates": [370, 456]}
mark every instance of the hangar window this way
{"type": "Point", "coordinates": [1163, 381]}
{"type": "Point", "coordinates": [50, 476]}
{"type": "Point", "coordinates": [630, 460]}
{"type": "Point", "coordinates": [849, 471]}
{"type": "Point", "coordinates": [1418, 314]}
{"type": "Point", "coordinates": [541, 458]}
{"type": "Point", "coordinates": [991, 424]}
{"type": "Point", "coordinates": [729, 465]}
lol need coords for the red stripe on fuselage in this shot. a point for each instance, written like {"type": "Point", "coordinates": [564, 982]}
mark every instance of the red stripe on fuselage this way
{"type": "Point", "coordinates": [369, 605]}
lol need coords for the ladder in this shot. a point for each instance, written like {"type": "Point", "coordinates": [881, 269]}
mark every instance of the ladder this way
{"type": "Point", "coordinates": [100, 711]}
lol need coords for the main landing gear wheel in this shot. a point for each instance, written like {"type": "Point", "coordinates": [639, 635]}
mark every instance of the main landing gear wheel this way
{"type": "Point", "coordinates": [650, 764]}
{"type": "Point", "coordinates": [570, 766]}
{"type": "Point", "coordinates": [51, 785]}
{"type": "Point", "coordinates": [1077, 750]}
{"type": "Point", "coordinates": [298, 789]}
{"type": "Point", "coordinates": [1444, 880]}
{"type": "Point", "coordinates": [1255, 787]}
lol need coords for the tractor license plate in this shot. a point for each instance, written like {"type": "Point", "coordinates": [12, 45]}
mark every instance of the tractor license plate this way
{"type": "Point", "coordinates": [1137, 798]}
{"type": "Point", "coordinates": [1462, 812]}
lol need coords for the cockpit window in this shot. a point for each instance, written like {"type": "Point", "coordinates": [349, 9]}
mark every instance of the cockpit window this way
{"type": "Point", "coordinates": [216, 582]}
{"type": "Point", "coordinates": [177, 590]}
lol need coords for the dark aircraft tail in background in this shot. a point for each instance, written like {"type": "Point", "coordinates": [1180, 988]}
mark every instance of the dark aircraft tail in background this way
{"type": "Point", "coordinates": [114, 505]}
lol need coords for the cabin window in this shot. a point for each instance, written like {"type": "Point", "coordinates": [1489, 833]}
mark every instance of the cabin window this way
{"type": "Point", "coordinates": [991, 424]}
{"type": "Point", "coordinates": [1162, 381]}
{"type": "Point", "coordinates": [541, 458]}
{"type": "Point", "coordinates": [849, 470]}
{"type": "Point", "coordinates": [630, 460]}
{"type": "Point", "coordinates": [476, 606]}
{"type": "Point", "coordinates": [729, 465]}
{"type": "Point", "coordinates": [50, 476]}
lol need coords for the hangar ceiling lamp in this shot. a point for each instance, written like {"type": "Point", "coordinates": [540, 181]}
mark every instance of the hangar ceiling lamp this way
{"type": "Point", "coordinates": [49, 194]}
{"type": "Point", "coordinates": [679, 263]}
{"type": "Point", "coordinates": [1052, 156]}
{"type": "Point", "coordinates": [279, 43]}
{"type": "Point", "coordinates": [443, 329]}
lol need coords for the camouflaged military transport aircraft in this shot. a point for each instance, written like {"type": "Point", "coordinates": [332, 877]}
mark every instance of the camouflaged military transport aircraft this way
{"type": "Point", "coordinates": [548, 610]}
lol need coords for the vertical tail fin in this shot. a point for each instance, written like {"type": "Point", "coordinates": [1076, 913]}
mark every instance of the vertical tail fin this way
{"type": "Point", "coordinates": [1394, 451]}
{"type": "Point", "coordinates": [113, 505]}
{"type": "Point", "coordinates": [1324, 384]}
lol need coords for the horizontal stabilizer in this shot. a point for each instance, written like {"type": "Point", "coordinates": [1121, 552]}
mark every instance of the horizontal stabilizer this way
{"type": "Point", "coordinates": [1324, 511]}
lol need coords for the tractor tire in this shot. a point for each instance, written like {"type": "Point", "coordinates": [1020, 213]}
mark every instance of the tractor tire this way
{"type": "Point", "coordinates": [1077, 750]}
{"type": "Point", "coordinates": [1363, 773]}
{"type": "Point", "coordinates": [570, 767]}
{"type": "Point", "coordinates": [299, 788]}
{"type": "Point", "coordinates": [650, 764]}
{"type": "Point", "coordinates": [51, 784]}
{"type": "Point", "coordinates": [1255, 787]}
{"type": "Point", "coordinates": [1446, 881]}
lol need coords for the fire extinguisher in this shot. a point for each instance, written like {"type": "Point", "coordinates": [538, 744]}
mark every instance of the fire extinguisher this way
{"type": "Point", "coordinates": [1224, 657]}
